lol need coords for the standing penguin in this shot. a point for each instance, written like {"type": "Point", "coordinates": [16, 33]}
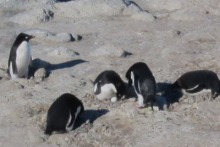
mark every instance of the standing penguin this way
{"type": "Point", "coordinates": [20, 56]}
{"type": "Point", "coordinates": [195, 81]}
{"type": "Point", "coordinates": [109, 85]}
{"type": "Point", "coordinates": [140, 76]}
{"type": "Point", "coordinates": [62, 113]}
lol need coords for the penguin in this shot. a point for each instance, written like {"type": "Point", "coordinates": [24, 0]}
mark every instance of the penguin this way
{"type": "Point", "coordinates": [194, 82]}
{"type": "Point", "coordinates": [140, 77]}
{"type": "Point", "coordinates": [63, 113]}
{"type": "Point", "coordinates": [20, 56]}
{"type": "Point", "coordinates": [109, 85]}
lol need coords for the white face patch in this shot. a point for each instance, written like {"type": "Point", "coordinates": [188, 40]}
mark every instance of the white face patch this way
{"type": "Point", "coordinates": [95, 87]}
{"type": "Point", "coordinates": [26, 37]}
{"type": "Point", "coordinates": [107, 92]}
{"type": "Point", "coordinates": [70, 117]}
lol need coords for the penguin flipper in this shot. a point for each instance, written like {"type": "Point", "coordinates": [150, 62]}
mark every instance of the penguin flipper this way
{"type": "Point", "coordinates": [97, 88]}
{"type": "Point", "coordinates": [14, 67]}
{"type": "Point", "coordinates": [197, 89]}
{"type": "Point", "coordinates": [48, 131]}
{"type": "Point", "coordinates": [12, 60]}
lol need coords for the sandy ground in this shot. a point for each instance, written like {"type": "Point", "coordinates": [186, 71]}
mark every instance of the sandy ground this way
{"type": "Point", "coordinates": [184, 37]}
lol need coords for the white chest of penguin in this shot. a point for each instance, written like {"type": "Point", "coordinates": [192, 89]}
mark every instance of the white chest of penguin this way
{"type": "Point", "coordinates": [23, 55]}
{"type": "Point", "coordinates": [107, 91]}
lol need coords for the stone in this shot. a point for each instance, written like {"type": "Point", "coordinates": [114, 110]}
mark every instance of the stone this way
{"type": "Point", "coordinates": [40, 74]}
{"type": "Point", "coordinates": [109, 50]}
{"type": "Point", "coordinates": [62, 52]}
{"type": "Point", "coordinates": [33, 16]}
{"type": "Point", "coordinates": [45, 35]}
{"type": "Point", "coordinates": [87, 8]}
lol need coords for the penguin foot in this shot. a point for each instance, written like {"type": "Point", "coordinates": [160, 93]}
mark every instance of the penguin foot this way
{"type": "Point", "coordinates": [138, 106]}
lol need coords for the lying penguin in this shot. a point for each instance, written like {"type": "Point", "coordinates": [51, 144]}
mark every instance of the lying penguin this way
{"type": "Point", "coordinates": [109, 85]}
{"type": "Point", "coordinates": [141, 78]}
{"type": "Point", "coordinates": [194, 82]}
{"type": "Point", "coordinates": [63, 113]}
{"type": "Point", "coordinates": [20, 56]}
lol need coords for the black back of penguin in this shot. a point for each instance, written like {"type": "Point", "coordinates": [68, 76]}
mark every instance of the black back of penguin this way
{"type": "Point", "coordinates": [193, 78]}
{"type": "Point", "coordinates": [144, 82]}
{"type": "Point", "coordinates": [107, 77]}
{"type": "Point", "coordinates": [195, 81]}
{"type": "Point", "coordinates": [59, 113]}
{"type": "Point", "coordinates": [12, 56]}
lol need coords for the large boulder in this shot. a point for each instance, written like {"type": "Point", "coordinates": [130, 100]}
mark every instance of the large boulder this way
{"type": "Point", "coordinates": [32, 16]}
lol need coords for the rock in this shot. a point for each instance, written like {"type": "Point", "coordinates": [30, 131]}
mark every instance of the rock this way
{"type": "Point", "coordinates": [33, 16]}
{"type": "Point", "coordinates": [88, 8]}
{"type": "Point", "coordinates": [143, 16]}
{"type": "Point", "coordinates": [45, 35]}
{"type": "Point", "coordinates": [40, 74]}
{"type": "Point", "coordinates": [109, 50]}
{"type": "Point", "coordinates": [62, 52]}
{"type": "Point", "coordinates": [37, 64]}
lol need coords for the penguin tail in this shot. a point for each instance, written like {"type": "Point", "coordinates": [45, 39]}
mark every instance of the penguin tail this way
{"type": "Point", "coordinates": [48, 131]}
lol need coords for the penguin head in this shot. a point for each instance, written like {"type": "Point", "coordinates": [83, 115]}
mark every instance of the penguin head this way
{"type": "Point", "coordinates": [121, 90]}
{"type": "Point", "coordinates": [24, 37]}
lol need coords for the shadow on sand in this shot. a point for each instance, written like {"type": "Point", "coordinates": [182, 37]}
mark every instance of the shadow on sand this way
{"type": "Point", "coordinates": [38, 63]}
{"type": "Point", "coordinates": [168, 94]}
{"type": "Point", "coordinates": [90, 115]}
{"type": "Point", "coordinates": [171, 94]}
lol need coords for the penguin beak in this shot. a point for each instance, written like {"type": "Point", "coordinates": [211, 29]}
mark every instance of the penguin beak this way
{"type": "Point", "coordinates": [32, 37]}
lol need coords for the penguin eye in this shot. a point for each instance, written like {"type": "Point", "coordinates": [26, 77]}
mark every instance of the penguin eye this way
{"type": "Point", "coordinates": [26, 37]}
